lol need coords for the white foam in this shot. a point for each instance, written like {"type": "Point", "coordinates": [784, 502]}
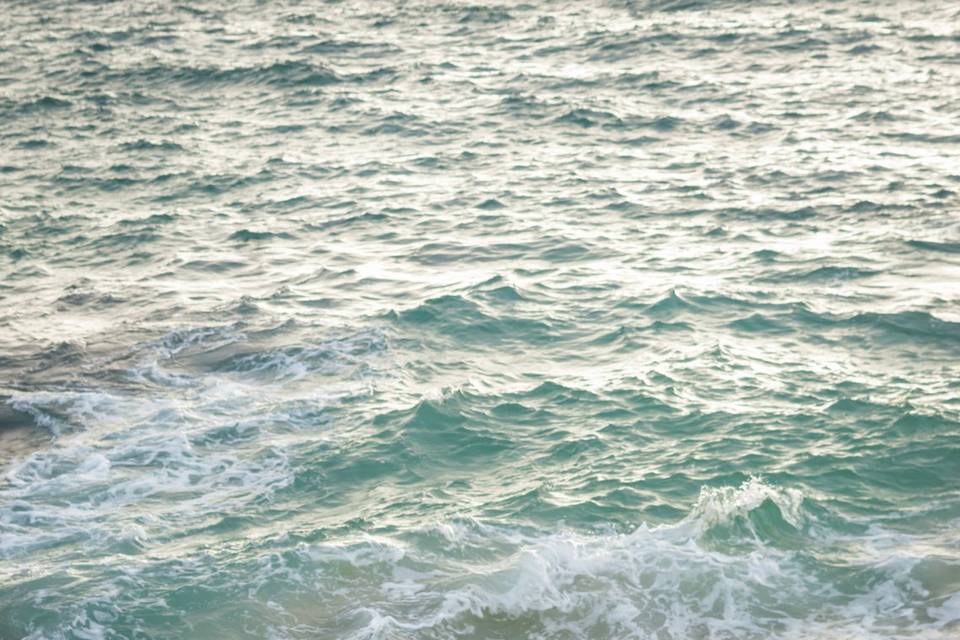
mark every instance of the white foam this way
{"type": "Point", "coordinates": [60, 411]}
{"type": "Point", "coordinates": [720, 505]}
{"type": "Point", "coordinates": [662, 583]}
{"type": "Point", "coordinates": [179, 340]}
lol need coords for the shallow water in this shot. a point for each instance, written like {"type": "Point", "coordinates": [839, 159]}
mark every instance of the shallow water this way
{"type": "Point", "coordinates": [442, 320]}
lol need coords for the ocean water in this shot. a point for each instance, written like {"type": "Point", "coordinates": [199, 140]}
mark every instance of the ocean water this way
{"type": "Point", "coordinates": [436, 320]}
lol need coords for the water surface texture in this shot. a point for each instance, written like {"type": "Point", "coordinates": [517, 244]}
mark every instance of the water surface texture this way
{"type": "Point", "coordinates": [425, 320]}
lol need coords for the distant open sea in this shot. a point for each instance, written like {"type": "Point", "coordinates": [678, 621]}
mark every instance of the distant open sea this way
{"type": "Point", "coordinates": [430, 320]}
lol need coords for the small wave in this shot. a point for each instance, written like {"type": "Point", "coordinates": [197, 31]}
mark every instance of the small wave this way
{"type": "Point", "coordinates": [822, 274]}
{"type": "Point", "coordinates": [365, 48]}
{"type": "Point", "coordinates": [64, 353]}
{"type": "Point", "coordinates": [36, 105]}
{"type": "Point", "coordinates": [759, 323]}
{"type": "Point", "coordinates": [153, 147]}
{"type": "Point", "coordinates": [154, 219]}
{"type": "Point", "coordinates": [363, 219]}
{"type": "Point", "coordinates": [668, 306]}
{"type": "Point", "coordinates": [587, 118]}
{"type": "Point", "coordinates": [905, 324]}
{"type": "Point", "coordinates": [442, 432]}
{"type": "Point", "coordinates": [930, 245]}
{"type": "Point", "coordinates": [296, 362]}
{"type": "Point", "coordinates": [61, 411]}
{"type": "Point", "coordinates": [480, 14]}
{"type": "Point", "coordinates": [291, 74]}
{"type": "Point", "coordinates": [490, 204]}
{"type": "Point", "coordinates": [246, 235]}
{"type": "Point", "coordinates": [205, 338]}
{"type": "Point", "coordinates": [498, 289]}
{"type": "Point", "coordinates": [459, 316]}
{"type": "Point", "coordinates": [924, 138]}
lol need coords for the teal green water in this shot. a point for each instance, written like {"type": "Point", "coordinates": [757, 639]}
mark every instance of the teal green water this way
{"type": "Point", "coordinates": [420, 320]}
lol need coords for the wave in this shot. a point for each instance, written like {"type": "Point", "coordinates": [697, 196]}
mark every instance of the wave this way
{"type": "Point", "coordinates": [34, 105]}
{"type": "Point", "coordinates": [279, 74]}
{"type": "Point", "coordinates": [333, 355]}
{"type": "Point", "coordinates": [746, 506]}
{"type": "Point", "coordinates": [62, 411]}
{"type": "Point", "coordinates": [247, 235]}
{"type": "Point", "coordinates": [792, 316]}
{"type": "Point", "coordinates": [930, 245]}
{"type": "Point", "coordinates": [826, 273]}
{"type": "Point", "coordinates": [896, 326]}
{"type": "Point", "coordinates": [470, 321]}
{"type": "Point", "coordinates": [192, 338]}
{"type": "Point", "coordinates": [472, 579]}
{"type": "Point", "coordinates": [150, 146]}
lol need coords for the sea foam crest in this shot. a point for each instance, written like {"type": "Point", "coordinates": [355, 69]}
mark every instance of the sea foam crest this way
{"type": "Point", "coordinates": [720, 505]}
{"type": "Point", "coordinates": [655, 582]}
{"type": "Point", "coordinates": [211, 337]}
{"type": "Point", "coordinates": [665, 583]}
{"type": "Point", "coordinates": [58, 411]}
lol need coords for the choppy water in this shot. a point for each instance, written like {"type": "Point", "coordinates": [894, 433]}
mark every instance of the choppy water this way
{"type": "Point", "coordinates": [442, 320]}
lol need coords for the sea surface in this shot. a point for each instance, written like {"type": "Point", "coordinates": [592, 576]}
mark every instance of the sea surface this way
{"type": "Point", "coordinates": [434, 320]}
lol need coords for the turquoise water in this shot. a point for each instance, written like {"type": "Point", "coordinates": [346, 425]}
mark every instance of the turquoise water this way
{"type": "Point", "coordinates": [423, 320]}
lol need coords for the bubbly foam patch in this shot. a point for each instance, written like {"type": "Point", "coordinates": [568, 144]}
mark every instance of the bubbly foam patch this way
{"type": "Point", "coordinates": [720, 505]}
{"type": "Point", "coordinates": [470, 579]}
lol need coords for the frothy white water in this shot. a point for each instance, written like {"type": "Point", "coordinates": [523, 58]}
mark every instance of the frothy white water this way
{"type": "Point", "coordinates": [64, 410]}
{"type": "Point", "coordinates": [194, 445]}
{"type": "Point", "coordinates": [719, 505]}
{"type": "Point", "coordinates": [468, 579]}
